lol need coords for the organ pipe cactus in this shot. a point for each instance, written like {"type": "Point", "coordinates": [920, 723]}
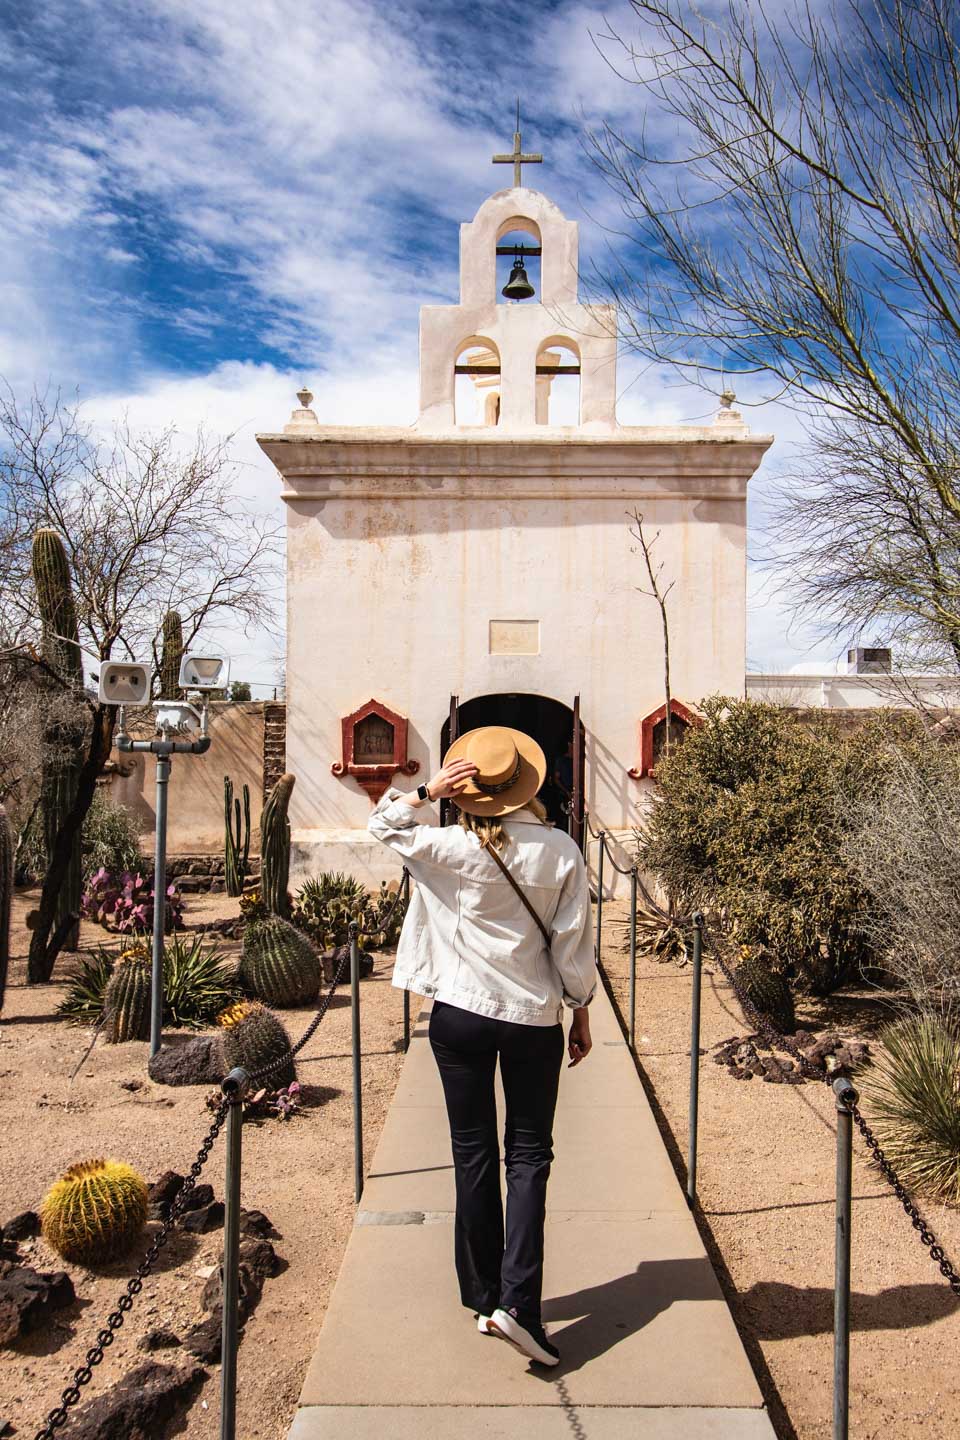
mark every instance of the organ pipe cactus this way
{"type": "Point", "coordinates": [237, 837]}
{"type": "Point", "coordinates": [95, 1211]}
{"type": "Point", "coordinates": [278, 964]}
{"type": "Point", "coordinates": [275, 846]}
{"type": "Point", "coordinates": [62, 738]}
{"type": "Point", "coordinates": [253, 1037]}
{"type": "Point", "coordinates": [6, 894]}
{"type": "Point", "coordinates": [126, 1000]}
{"type": "Point", "coordinates": [171, 656]}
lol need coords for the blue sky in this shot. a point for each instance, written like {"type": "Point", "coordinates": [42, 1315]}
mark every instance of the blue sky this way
{"type": "Point", "coordinates": [202, 205]}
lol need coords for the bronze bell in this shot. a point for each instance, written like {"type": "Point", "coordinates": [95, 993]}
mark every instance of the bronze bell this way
{"type": "Point", "coordinates": [518, 287]}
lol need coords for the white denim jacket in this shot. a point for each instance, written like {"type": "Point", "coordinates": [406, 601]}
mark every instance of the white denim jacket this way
{"type": "Point", "coordinates": [467, 938]}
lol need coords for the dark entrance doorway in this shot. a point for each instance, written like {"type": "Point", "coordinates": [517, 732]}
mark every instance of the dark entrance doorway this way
{"type": "Point", "coordinates": [551, 724]}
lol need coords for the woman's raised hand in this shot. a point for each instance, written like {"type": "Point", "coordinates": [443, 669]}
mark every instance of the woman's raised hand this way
{"type": "Point", "coordinates": [451, 779]}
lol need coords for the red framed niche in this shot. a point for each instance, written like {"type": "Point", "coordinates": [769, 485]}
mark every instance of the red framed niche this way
{"type": "Point", "coordinates": [374, 748]}
{"type": "Point", "coordinates": [648, 732]}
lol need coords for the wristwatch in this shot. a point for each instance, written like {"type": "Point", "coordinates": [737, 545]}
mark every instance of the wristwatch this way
{"type": "Point", "coordinates": [423, 793]}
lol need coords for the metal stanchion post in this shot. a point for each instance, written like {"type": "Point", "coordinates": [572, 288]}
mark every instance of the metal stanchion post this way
{"type": "Point", "coordinates": [159, 905]}
{"type": "Point", "coordinates": [695, 1060]}
{"type": "Point", "coordinates": [234, 1087]}
{"type": "Point", "coordinates": [632, 1026]}
{"type": "Point", "coordinates": [355, 1034]}
{"type": "Point", "coordinates": [847, 1098]}
{"type": "Point", "coordinates": [601, 843]}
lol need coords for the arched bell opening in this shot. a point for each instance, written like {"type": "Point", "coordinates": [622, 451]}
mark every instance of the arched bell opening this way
{"type": "Point", "coordinates": [549, 721]}
{"type": "Point", "coordinates": [518, 263]}
{"type": "Point", "coordinates": [476, 383]}
{"type": "Point", "coordinates": [558, 383]}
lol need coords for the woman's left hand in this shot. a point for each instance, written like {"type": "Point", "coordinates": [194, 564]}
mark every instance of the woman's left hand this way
{"type": "Point", "coordinates": [580, 1042]}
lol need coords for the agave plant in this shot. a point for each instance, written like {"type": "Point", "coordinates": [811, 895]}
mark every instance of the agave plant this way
{"type": "Point", "coordinates": [197, 983]}
{"type": "Point", "coordinates": [83, 1002]}
{"type": "Point", "coordinates": [658, 936]}
{"type": "Point", "coordinates": [914, 1094]}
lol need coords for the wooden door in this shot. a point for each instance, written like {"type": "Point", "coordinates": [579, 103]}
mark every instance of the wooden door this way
{"type": "Point", "coordinates": [448, 811]}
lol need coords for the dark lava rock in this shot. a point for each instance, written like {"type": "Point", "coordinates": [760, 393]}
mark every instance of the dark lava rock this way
{"type": "Point", "coordinates": [258, 1262]}
{"type": "Point", "coordinates": [140, 1406]}
{"type": "Point", "coordinates": [27, 1297]}
{"type": "Point", "coordinates": [199, 1196]}
{"type": "Point", "coordinates": [204, 1218]}
{"type": "Point", "coordinates": [162, 1194]}
{"type": "Point", "coordinates": [332, 961]}
{"type": "Point", "coordinates": [158, 1340]}
{"type": "Point", "coordinates": [196, 1062]}
{"type": "Point", "coordinates": [23, 1226]}
{"type": "Point", "coordinates": [204, 1339]}
{"type": "Point", "coordinates": [254, 1222]}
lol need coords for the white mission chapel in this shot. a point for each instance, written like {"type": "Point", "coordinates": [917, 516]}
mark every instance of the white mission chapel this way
{"type": "Point", "coordinates": [478, 567]}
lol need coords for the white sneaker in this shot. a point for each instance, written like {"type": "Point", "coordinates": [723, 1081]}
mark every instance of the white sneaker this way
{"type": "Point", "coordinates": [483, 1324]}
{"type": "Point", "coordinates": [533, 1342]}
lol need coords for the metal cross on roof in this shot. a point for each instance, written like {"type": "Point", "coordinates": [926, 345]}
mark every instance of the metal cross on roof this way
{"type": "Point", "coordinates": [517, 159]}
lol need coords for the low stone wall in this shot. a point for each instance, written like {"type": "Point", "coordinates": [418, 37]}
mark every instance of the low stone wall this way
{"type": "Point", "coordinates": [205, 874]}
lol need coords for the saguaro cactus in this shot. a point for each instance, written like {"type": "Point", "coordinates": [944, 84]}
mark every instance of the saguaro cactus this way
{"type": "Point", "coordinates": [6, 892]}
{"type": "Point", "coordinates": [275, 846]}
{"type": "Point", "coordinates": [237, 837]}
{"type": "Point", "coordinates": [170, 656]}
{"type": "Point", "coordinates": [62, 738]}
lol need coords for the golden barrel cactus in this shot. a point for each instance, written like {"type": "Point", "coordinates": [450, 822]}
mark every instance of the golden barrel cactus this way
{"type": "Point", "coordinates": [95, 1211]}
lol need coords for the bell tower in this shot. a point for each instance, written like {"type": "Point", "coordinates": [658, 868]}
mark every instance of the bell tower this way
{"type": "Point", "coordinates": [510, 343]}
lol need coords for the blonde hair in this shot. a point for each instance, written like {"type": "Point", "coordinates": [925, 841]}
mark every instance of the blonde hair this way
{"type": "Point", "coordinates": [489, 828]}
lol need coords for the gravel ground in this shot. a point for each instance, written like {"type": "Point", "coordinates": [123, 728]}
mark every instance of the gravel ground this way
{"type": "Point", "coordinates": [766, 1184]}
{"type": "Point", "coordinates": [300, 1173]}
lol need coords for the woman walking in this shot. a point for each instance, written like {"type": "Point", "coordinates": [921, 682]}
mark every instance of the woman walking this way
{"type": "Point", "coordinates": [498, 934]}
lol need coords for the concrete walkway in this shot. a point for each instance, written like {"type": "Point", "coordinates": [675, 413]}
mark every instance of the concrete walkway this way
{"type": "Point", "coordinates": [631, 1300]}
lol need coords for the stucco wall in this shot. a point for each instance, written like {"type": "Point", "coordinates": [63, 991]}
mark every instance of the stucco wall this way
{"type": "Point", "coordinates": [195, 803]}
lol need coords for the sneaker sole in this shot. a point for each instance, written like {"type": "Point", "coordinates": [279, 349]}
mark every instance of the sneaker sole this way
{"type": "Point", "coordinates": [530, 1352]}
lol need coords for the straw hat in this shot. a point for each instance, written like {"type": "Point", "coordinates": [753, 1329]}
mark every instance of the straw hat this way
{"type": "Point", "coordinates": [511, 766]}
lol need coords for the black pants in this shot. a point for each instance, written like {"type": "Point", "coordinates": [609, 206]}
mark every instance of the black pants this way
{"type": "Point", "coordinates": [466, 1047]}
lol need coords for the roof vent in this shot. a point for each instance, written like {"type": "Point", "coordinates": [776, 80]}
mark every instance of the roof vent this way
{"type": "Point", "coordinates": [874, 660]}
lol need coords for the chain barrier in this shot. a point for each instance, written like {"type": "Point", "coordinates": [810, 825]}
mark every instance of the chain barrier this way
{"type": "Point", "coordinates": [819, 1071]}
{"type": "Point", "coordinates": [82, 1376]}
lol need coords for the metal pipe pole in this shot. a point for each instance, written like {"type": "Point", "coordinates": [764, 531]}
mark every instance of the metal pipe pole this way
{"type": "Point", "coordinates": [694, 1123]}
{"type": "Point", "coordinates": [846, 1098]}
{"type": "Point", "coordinates": [234, 1086]}
{"type": "Point", "coordinates": [159, 905]}
{"type": "Point", "coordinates": [632, 1026]}
{"type": "Point", "coordinates": [355, 1038]}
{"type": "Point", "coordinates": [601, 842]}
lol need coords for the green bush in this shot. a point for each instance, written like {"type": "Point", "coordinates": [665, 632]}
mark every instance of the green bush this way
{"type": "Point", "coordinates": [110, 839]}
{"type": "Point", "coordinates": [912, 1091]}
{"type": "Point", "coordinates": [326, 905]}
{"type": "Point", "coordinates": [749, 822]}
{"type": "Point", "coordinates": [198, 983]}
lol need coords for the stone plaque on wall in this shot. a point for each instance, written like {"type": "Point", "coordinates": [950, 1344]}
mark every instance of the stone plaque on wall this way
{"type": "Point", "coordinates": [514, 637]}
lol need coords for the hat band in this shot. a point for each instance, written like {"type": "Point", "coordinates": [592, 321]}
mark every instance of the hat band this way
{"type": "Point", "coordinates": [503, 785]}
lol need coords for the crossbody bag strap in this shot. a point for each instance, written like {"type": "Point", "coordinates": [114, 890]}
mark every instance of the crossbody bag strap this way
{"type": "Point", "coordinates": [540, 925]}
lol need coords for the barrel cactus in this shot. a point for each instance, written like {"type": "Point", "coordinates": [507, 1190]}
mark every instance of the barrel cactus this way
{"type": "Point", "coordinates": [126, 1000]}
{"type": "Point", "coordinates": [63, 735]}
{"type": "Point", "coordinates": [237, 837]}
{"type": "Point", "coordinates": [278, 964]}
{"type": "Point", "coordinates": [6, 894]}
{"type": "Point", "coordinates": [768, 991]}
{"type": "Point", "coordinates": [171, 656]}
{"type": "Point", "coordinates": [275, 846]}
{"type": "Point", "coordinates": [95, 1211]}
{"type": "Point", "coordinates": [253, 1037]}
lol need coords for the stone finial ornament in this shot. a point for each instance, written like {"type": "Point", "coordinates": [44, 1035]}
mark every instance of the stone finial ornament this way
{"type": "Point", "coordinates": [726, 415]}
{"type": "Point", "coordinates": [304, 418]}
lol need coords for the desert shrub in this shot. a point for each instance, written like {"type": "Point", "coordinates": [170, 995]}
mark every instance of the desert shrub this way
{"type": "Point", "coordinates": [124, 902]}
{"type": "Point", "coordinates": [913, 1091]}
{"type": "Point", "coordinates": [110, 839]}
{"type": "Point", "coordinates": [748, 822]}
{"type": "Point", "coordinates": [904, 846]}
{"type": "Point", "coordinates": [198, 983]}
{"type": "Point", "coordinates": [326, 905]}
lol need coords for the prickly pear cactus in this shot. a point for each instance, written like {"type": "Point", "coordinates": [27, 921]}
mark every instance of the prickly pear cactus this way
{"type": "Point", "coordinates": [126, 1000]}
{"type": "Point", "coordinates": [95, 1211]}
{"type": "Point", "coordinates": [252, 1037]}
{"type": "Point", "coordinates": [768, 991]}
{"type": "Point", "coordinates": [278, 964]}
{"type": "Point", "coordinates": [275, 846]}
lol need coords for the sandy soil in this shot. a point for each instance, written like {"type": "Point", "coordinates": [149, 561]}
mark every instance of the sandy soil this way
{"type": "Point", "coordinates": [300, 1173]}
{"type": "Point", "coordinates": [766, 1186]}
